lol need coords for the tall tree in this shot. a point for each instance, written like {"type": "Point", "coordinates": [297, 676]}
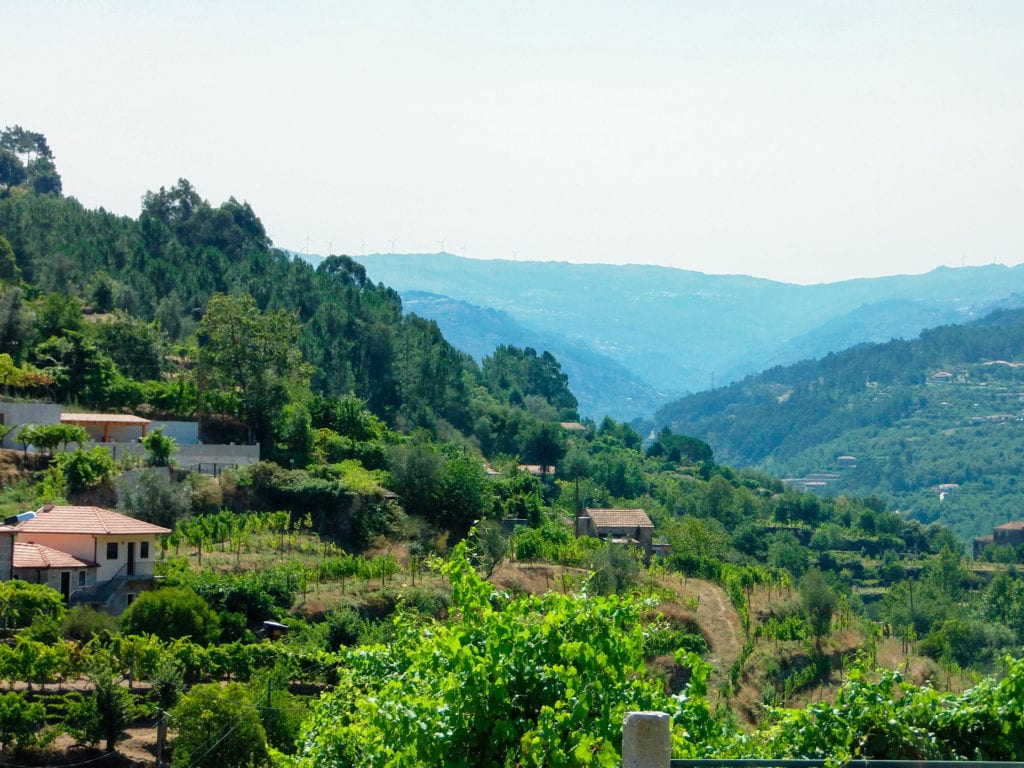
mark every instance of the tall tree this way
{"type": "Point", "coordinates": [545, 444]}
{"type": "Point", "coordinates": [819, 603]}
{"type": "Point", "coordinates": [12, 170]}
{"type": "Point", "coordinates": [252, 358]}
{"type": "Point", "coordinates": [136, 347]}
{"type": "Point", "coordinates": [9, 272]}
{"type": "Point", "coordinates": [32, 152]}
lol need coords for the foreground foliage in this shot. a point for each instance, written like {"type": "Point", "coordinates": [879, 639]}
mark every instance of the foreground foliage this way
{"type": "Point", "coordinates": [218, 726]}
{"type": "Point", "coordinates": [892, 719]}
{"type": "Point", "coordinates": [513, 681]}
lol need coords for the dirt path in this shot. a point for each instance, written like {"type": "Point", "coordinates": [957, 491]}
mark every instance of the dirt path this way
{"type": "Point", "coordinates": [717, 617]}
{"type": "Point", "coordinates": [137, 749]}
{"type": "Point", "coordinates": [707, 602]}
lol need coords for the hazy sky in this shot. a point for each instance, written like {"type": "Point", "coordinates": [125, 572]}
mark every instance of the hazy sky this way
{"type": "Point", "coordinates": [801, 141]}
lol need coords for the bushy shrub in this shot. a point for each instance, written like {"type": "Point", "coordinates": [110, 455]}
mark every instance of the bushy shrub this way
{"type": "Point", "coordinates": [22, 723]}
{"type": "Point", "coordinates": [84, 469]}
{"type": "Point", "coordinates": [151, 495]}
{"type": "Point", "coordinates": [83, 623]}
{"type": "Point", "coordinates": [257, 595]}
{"type": "Point", "coordinates": [170, 613]}
{"type": "Point", "coordinates": [234, 627]}
{"type": "Point", "coordinates": [614, 569]}
{"type": "Point", "coordinates": [429, 602]}
{"type": "Point", "coordinates": [661, 638]}
{"type": "Point", "coordinates": [21, 603]}
{"type": "Point", "coordinates": [343, 628]}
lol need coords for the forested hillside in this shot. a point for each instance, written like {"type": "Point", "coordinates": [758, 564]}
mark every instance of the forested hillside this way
{"type": "Point", "coordinates": [109, 307]}
{"type": "Point", "coordinates": [940, 410]}
{"type": "Point", "coordinates": [602, 385]}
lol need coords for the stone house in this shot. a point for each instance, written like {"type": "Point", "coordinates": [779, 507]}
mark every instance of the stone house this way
{"type": "Point", "coordinates": [1006, 535]}
{"type": "Point", "coordinates": [619, 526]}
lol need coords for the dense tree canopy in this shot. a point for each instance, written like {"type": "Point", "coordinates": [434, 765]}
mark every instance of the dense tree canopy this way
{"type": "Point", "coordinates": [522, 377]}
{"type": "Point", "coordinates": [251, 361]}
{"type": "Point", "coordinates": [32, 158]}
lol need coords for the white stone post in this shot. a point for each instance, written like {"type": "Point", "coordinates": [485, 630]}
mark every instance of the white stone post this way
{"type": "Point", "coordinates": [646, 740]}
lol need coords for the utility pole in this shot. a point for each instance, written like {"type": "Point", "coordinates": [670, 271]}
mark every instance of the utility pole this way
{"type": "Point", "coordinates": [161, 737]}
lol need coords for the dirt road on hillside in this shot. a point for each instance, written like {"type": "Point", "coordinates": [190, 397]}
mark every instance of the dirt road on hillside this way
{"type": "Point", "coordinates": [719, 621]}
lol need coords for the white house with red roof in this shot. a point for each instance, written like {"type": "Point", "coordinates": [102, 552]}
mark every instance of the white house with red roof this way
{"type": "Point", "coordinates": [88, 554]}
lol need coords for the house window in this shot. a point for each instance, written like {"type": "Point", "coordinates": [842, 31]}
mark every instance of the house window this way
{"type": "Point", "coordinates": [111, 550]}
{"type": "Point", "coordinates": [143, 550]}
{"type": "Point", "coordinates": [81, 578]}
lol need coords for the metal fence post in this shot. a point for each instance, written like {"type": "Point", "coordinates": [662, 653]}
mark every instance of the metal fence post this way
{"type": "Point", "coordinates": [646, 740]}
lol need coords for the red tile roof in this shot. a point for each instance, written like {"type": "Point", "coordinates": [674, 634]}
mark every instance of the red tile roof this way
{"type": "Point", "coordinates": [102, 418]}
{"type": "Point", "coordinates": [87, 520]}
{"type": "Point", "coordinates": [30, 555]}
{"type": "Point", "coordinates": [619, 518]}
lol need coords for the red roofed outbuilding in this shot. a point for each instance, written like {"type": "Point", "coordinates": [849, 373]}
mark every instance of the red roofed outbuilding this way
{"type": "Point", "coordinates": [104, 427]}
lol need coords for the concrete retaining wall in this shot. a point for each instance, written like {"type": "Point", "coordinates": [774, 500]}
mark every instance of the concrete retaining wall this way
{"type": "Point", "coordinates": [183, 432]}
{"type": "Point", "coordinates": [204, 457]}
{"type": "Point", "coordinates": [22, 414]}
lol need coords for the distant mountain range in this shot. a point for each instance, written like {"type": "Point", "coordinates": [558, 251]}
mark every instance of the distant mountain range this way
{"type": "Point", "coordinates": [600, 383]}
{"type": "Point", "coordinates": [634, 338]}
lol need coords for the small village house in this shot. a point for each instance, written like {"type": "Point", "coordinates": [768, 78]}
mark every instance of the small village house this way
{"type": "Point", "coordinates": [90, 555]}
{"type": "Point", "coordinates": [618, 526]}
{"type": "Point", "coordinates": [1006, 535]}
